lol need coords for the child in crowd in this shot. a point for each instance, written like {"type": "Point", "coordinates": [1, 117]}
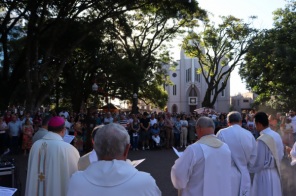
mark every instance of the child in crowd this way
{"type": "Point", "coordinates": [155, 134]}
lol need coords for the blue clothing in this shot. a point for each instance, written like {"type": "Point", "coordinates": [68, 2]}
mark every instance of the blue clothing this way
{"type": "Point", "coordinates": [14, 128]}
{"type": "Point", "coordinates": [154, 131]}
{"type": "Point", "coordinates": [177, 139]}
{"type": "Point", "coordinates": [98, 121]}
{"type": "Point", "coordinates": [177, 127]}
{"type": "Point", "coordinates": [135, 140]}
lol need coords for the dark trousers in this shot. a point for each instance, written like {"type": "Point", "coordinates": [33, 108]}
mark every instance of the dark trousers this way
{"type": "Point", "coordinates": [3, 142]}
{"type": "Point", "coordinates": [177, 139]}
{"type": "Point", "coordinates": [14, 144]}
{"type": "Point", "coordinates": [135, 140]}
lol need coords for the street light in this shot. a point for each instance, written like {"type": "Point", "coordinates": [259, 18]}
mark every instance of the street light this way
{"type": "Point", "coordinates": [95, 88]}
{"type": "Point", "coordinates": [135, 104]}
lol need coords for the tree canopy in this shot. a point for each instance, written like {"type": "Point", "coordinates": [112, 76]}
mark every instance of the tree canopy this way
{"type": "Point", "coordinates": [269, 69]}
{"type": "Point", "coordinates": [219, 49]}
{"type": "Point", "coordinates": [62, 42]}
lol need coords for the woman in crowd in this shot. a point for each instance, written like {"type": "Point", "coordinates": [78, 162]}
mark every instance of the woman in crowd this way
{"type": "Point", "coordinates": [272, 122]}
{"type": "Point", "coordinates": [184, 131]}
{"type": "Point", "coordinates": [177, 132]}
{"type": "Point", "coordinates": [222, 123]}
{"type": "Point", "coordinates": [37, 121]}
{"type": "Point", "coordinates": [72, 123]}
{"type": "Point", "coordinates": [28, 131]}
{"type": "Point", "coordinates": [135, 128]}
{"type": "Point", "coordinates": [289, 176]}
{"type": "Point", "coordinates": [191, 129]}
{"type": "Point", "coordinates": [251, 125]}
{"type": "Point", "coordinates": [287, 132]}
{"type": "Point", "coordinates": [161, 127]}
{"type": "Point", "coordinates": [78, 133]}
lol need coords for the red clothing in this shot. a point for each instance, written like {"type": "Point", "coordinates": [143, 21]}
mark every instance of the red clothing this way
{"type": "Point", "coordinates": [27, 137]}
{"type": "Point", "coordinates": [7, 119]}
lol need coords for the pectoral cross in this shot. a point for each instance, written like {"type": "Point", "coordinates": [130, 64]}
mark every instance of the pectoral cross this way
{"type": "Point", "coordinates": [41, 176]}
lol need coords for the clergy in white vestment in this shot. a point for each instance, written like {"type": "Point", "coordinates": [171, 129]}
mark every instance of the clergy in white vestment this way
{"type": "Point", "coordinates": [112, 174]}
{"type": "Point", "coordinates": [270, 151]}
{"type": "Point", "coordinates": [242, 145]}
{"type": "Point", "coordinates": [292, 153]}
{"type": "Point", "coordinates": [90, 157]}
{"type": "Point", "coordinates": [289, 178]}
{"type": "Point", "coordinates": [51, 162]}
{"type": "Point", "coordinates": [205, 167]}
{"type": "Point", "coordinates": [43, 130]}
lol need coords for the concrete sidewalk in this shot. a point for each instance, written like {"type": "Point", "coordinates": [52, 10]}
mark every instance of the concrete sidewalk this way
{"type": "Point", "coordinates": [158, 163]}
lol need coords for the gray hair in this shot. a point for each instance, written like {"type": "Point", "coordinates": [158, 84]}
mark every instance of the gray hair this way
{"type": "Point", "coordinates": [94, 131]}
{"type": "Point", "coordinates": [205, 122]}
{"type": "Point", "coordinates": [111, 140]}
{"type": "Point", "coordinates": [234, 117]}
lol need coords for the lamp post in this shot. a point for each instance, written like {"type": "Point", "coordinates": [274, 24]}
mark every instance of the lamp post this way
{"type": "Point", "coordinates": [135, 104]}
{"type": "Point", "coordinates": [95, 88]}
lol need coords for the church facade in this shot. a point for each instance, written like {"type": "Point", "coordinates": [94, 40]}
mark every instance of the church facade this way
{"type": "Point", "coordinates": [189, 88]}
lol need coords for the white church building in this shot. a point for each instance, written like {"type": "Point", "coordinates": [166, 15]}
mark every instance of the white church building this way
{"type": "Point", "coordinates": [189, 88]}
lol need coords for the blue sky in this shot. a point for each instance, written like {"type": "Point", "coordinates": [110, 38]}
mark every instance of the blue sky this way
{"type": "Point", "coordinates": [243, 9]}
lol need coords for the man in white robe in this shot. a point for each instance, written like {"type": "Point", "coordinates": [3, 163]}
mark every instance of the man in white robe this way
{"type": "Point", "coordinates": [112, 175]}
{"type": "Point", "coordinates": [270, 152]}
{"type": "Point", "coordinates": [242, 145]}
{"type": "Point", "coordinates": [90, 157]}
{"type": "Point", "coordinates": [51, 162]}
{"type": "Point", "coordinates": [43, 130]}
{"type": "Point", "coordinates": [205, 166]}
{"type": "Point", "coordinates": [289, 177]}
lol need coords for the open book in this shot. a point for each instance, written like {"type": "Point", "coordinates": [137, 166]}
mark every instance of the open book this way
{"type": "Point", "coordinates": [6, 191]}
{"type": "Point", "coordinates": [177, 152]}
{"type": "Point", "coordinates": [136, 162]}
{"type": "Point", "coordinates": [68, 138]}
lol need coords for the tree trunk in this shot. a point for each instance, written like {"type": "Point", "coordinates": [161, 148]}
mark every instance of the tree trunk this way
{"type": "Point", "coordinates": [207, 100]}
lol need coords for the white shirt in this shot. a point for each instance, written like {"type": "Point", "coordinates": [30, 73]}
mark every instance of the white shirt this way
{"type": "Point", "coordinates": [293, 121]}
{"type": "Point", "coordinates": [108, 120]}
{"type": "Point", "coordinates": [293, 154]}
{"type": "Point", "coordinates": [65, 114]}
{"type": "Point", "coordinates": [184, 123]}
{"type": "Point", "coordinates": [153, 121]}
{"type": "Point", "coordinates": [3, 127]}
{"type": "Point", "coordinates": [24, 120]}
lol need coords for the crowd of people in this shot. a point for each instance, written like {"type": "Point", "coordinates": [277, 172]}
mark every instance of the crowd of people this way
{"type": "Point", "coordinates": [220, 151]}
{"type": "Point", "coordinates": [147, 131]}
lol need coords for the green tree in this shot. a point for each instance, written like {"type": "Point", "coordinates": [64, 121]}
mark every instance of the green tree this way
{"type": "Point", "coordinates": [141, 39]}
{"type": "Point", "coordinates": [219, 49]}
{"type": "Point", "coordinates": [269, 68]}
{"type": "Point", "coordinates": [53, 34]}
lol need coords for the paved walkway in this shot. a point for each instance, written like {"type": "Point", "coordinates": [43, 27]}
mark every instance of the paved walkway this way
{"type": "Point", "coordinates": [158, 163]}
